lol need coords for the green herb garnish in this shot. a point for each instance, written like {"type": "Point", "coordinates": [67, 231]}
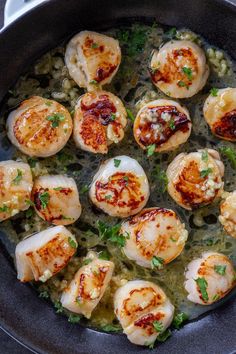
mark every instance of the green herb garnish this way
{"type": "Point", "coordinates": [72, 242]}
{"type": "Point", "coordinates": [44, 199]}
{"type": "Point", "coordinates": [32, 162]}
{"type": "Point", "coordinates": [205, 155]}
{"type": "Point", "coordinates": [188, 72]}
{"type": "Point", "coordinates": [111, 328]}
{"type": "Point", "coordinates": [48, 103]}
{"type": "Point", "coordinates": [55, 119]}
{"type": "Point", "coordinates": [205, 173]}
{"type": "Point", "coordinates": [74, 318]}
{"type": "Point", "coordinates": [158, 326]}
{"type": "Point", "coordinates": [220, 269]}
{"type": "Point", "coordinates": [44, 294]}
{"type": "Point", "coordinates": [93, 82]}
{"type": "Point", "coordinates": [157, 262]}
{"type": "Point", "coordinates": [117, 162]}
{"type": "Point", "coordinates": [172, 124]}
{"type": "Point", "coordinates": [58, 306]}
{"type": "Point", "coordinates": [94, 45]}
{"type": "Point", "coordinates": [151, 149]}
{"type": "Point", "coordinates": [179, 319]}
{"type": "Point", "coordinates": [130, 115]}
{"type": "Point", "coordinates": [214, 91]}
{"type": "Point", "coordinates": [29, 202]}
{"type": "Point", "coordinates": [181, 84]}
{"type": "Point", "coordinates": [84, 189]}
{"type": "Point", "coordinates": [162, 337]}
{"type": "Point", "coordinates": [216, 297]}
{"type": "Point", "coordinates": [112, 116]}
{"type": "Point", "coordinates": [230, 153]}
{"type": "Point", "coordinates": [4, 209]}
{"type": "Point", "coordinates": [104, 255]}
{"type": "Point", "coordinates": [108, 197]}
{"type": "Point", "coordinates": [133, 41]}
{"type": "Point", "coordinates": [18, 178]}
{"type": "Point", "coordinates": [58, 188]}
{"type": "Point", "coordinates": [126, 179]}
{"type": "Point", "coordinates": [171, 34]}
{"type": "Point", "coordinates": [87, 261]}
{"type": "Point", "coordinates": [29, 213]}
{"type": "Point", "coordinates": [202, 285]}
{"type": "Point", "coordinates": [161, 177]}
{"type": "Point", "coordinates": [112, 234]}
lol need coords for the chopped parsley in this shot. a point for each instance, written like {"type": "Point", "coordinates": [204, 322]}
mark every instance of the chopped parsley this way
{"type": "Point", "coordinates": [84, 189]}
{"type": "Point", "coordinates": [29, 202]}
{"type": "Point", "coordinates": [64, 157]}
{"type": "Point", "coordinates": [117, 162]}
{"type": "Point", "coordinates": [171, 34]}
{"type": "Point", "coordinates": [72, 242]}
{"type": "Point", "coordinates": [32, 162]}
{"type": "Point", "coordinates": [108, 197]}
{"type": "Point", "coordinates": [161, 177]}
{"type": "Point", "coordinates": [4, 209]}
{"type": "Point", "coordinates": [179, 319]}
{"type": "Point", "coordinates": [205, 155]}
{"type": "Point", "coordinates": [18, 178]}
{"type": "Point", "coordinates": [162, 337]}
{"type": "Point", "coordinates": [74, 318]}
{"type": "Point", "coordinates": [188, 72]}
{"type": "Point", "coordinates": [158, 326]}
{"type": "Point", "coordinates": [133, 41]}
{"type": "Point", "coordinates": [126, 179]}
{"type": "Point", "coordinates": [48, 103]}
{"type": "Point", "coordinates": [216, 297]}
{"type": "Point", "coordinates": [93, 82]}
{"type": "Point", "coordinates": [230, 153]}
{"type": "Point", "coordinates": [112, 234]}
{"type": "Point", "coordinates": [181, 84]}
{"type": "Point", "coordinates": [112, 116]}
{"type": "Point", "coordinates": [205, 173]}
{"type": "Point", "coordinates": [104, 255]}
{"type": "Point", "coordinates": [220, 269]}
{"type": "Point", "coordinates": [151, 149]}
{"type": "Point", "coordinates": [58, 188]}
{"type": "Point", "coordinates": [55, 119]}
{"type": "Point", "coordinates": [29, 213]}
{"type": "Point", "coordinates": [58, 306]}
{"type": "Point", "coordinates": [202, 285]}
{"type": "Point", "coordinates": [172, 124]}
{"type": "Point", "coordinates": [111, 328]}
{"type": "Point", "coordinates": [157, 262]}
{"type": "Point", "coordinates": [94, 45]}
{"type": "Point", "coordinates": [44, 294]}
{"type": "Point", "coordinates": [214, 91]}
{"type": "Point", "coordinates": [130, 115]}
{"type": "Point", "coordinates": [87, 261]}
{"type": "Point", "coordinates": [44, 199]}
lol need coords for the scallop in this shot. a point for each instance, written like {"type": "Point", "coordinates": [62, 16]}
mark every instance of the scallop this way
{"type": "Point", "coordinates": [228, 213]}
{"type": "Point", "coordinates": [39, 127]}
{"type": "Point", "coordinates": [143, 310]}
{"type": "Point", "coordinates": [179, 68]}
{"type": "Point", "coordinates": [164, 123]}
{"type": "Point", "coordinates": [209, 278]}
{"type": "Point", "coordinates": [220, 113]}
{"type": "Point", "coordinates": [56, 199]}
{"type": "Point", "coordinates": [87, 287]}
{"type": "Point", "coordinates": [16, 185]}
{"type": "Point", "coordinates": [42, 255]}
{"type": "Point", "coordinates": [195, 179]}
{"type": "Point", "coordinates": [120, 187]}
{"type": "Point", "coordinates": [92, 59]}
{"type": "Point", "coordinates": [154, 232]}
{"type": "Point", "coordinates": [99, 121]}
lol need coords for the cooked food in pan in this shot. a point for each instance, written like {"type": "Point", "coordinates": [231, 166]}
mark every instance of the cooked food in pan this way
{"type": "Point", "coordinates": [143, 238]}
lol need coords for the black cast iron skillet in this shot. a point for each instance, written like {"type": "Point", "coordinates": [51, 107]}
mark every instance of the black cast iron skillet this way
{"type": "Point", "coordinates": [23, 315]}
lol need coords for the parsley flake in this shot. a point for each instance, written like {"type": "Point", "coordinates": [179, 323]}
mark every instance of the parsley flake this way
{"type": "Point", "coordinates": [72, 242]}
{"type": "Point", "coordinates": [84, 189]}
{"type": "Point", "coordinates": [108, 197]}
{"type": "Point", "coordinates": [220, 269]}
{"type": "Point", "coordinates": [151, 149]}
{"type": "Point", "coordinates": [179, 319]}
{"type": "Point", "coordinates": [111, 328]}
{"type": "Point", "coordinates": [202, 285]}
{"type": "Point", "coordinates": [188, 72]}
{"type": "Point", "coordinates": [117, 162]}
{"type": "Point", "coordinates": [161, 177]}
{"type": "Point", "coordinates": [44, 199]}
{"type": "Point", "coordinates": [44, 294]}
{"type": "Point", "coordinates": [230, 153]}
{"type": "Point", "coordinates": [158, 326]}
{"type": "Point", "coordinates": [18, 178]}
{"type": "Point", "coordinates": [94, 45]}
{"type": "Point", "coordinates": [205, 173]}
{"type": "Point", "coordinates": [112, 117]}
{"type": "Point", "coordinates": [4, 209]}
{"type": "Point", "coordinates": [55, 119]}
{"type": "Point", "coordinates": [112, 234]}
{"type": "Point", "coordinates": [157, 262]}
{"type": "Point", "coordinates": [214, 91]}
{"type": "Point", "coordinates": [87, 261]}
{"type": "Point", "coordinates": [181, 84]}
{"type": "Point", "coordinates": [32, 162]}
{"type": "Point", "coordinates": [162, 337]}
{"type": "Point", "coordinates": [93, 82]}
{"type": "Point", "coordinates": [205, 155]}
{"type": "Point", "coordinates": [130, 115]}
{"type": "Point", "coordinates": [58, 306]}
{"type": "Point", "coordinates": [172, 124]}
{"type": "Point", "coordinates": [104, 255]}
{"type": "Point", "coordinates": [58, 188]}
{"type": "Point", "coordinates": [74, 318]}
{"type": "Point", "coordinates": [216, 297]}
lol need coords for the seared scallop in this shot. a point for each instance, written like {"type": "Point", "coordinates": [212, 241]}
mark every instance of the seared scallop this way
{"type": "Point", "coordinates": [228, 213]}
{"type": "Point", "coordinates": [16, 184]}
{"type": "Point", "coordinates": [87, 287]}
{"type": "Point", "coordinates": [56, 199]}
{"type": "Point", "coordinates": [92, 59]}
{"type": "Point", "coordinates": [195, 179]}
{"type": "Point", "coordinates": [39, 127]}
{"type": "Point", "coordinates": [99, 121]}
{"type": "Point", "coordinates": [154, 232]}
{"type": "Point", "coordinates": [220, 113]}
{"type": "Point", "coordinates": [143, 310]}
{"type": "Point", "coordinates": [164, 123]}
{"type": "Point", "coordinates": [179, 68]}
{"type": "Point", "coordinates": [120, 187]}
{"type": "Point", "coordinates": [40, 256]}
{"type": "Point", "coordinates": [209, 278]}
